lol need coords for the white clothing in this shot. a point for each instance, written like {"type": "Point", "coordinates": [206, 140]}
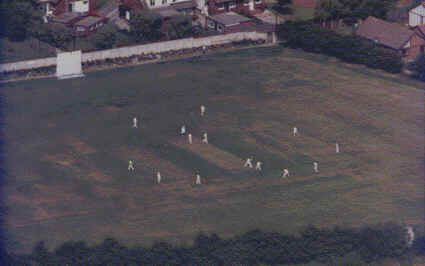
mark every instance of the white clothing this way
{"type": "Point", "coordinates": [248, 163]}
{"type": "Point", "coordinates": [337, 147]}
{"type": "Point", "coordinates": [135, 122]}
{"type": "Point", "coordinates": [205, 139]}
{"type": "Point", "coordinates": [158, 177]}
{"type": "Point", "coordinates": [202, 110]}
{"type": "Point", "coordinates": [198, 179]}
{"type": "Point", "coordinates": [285, 173]}
{"type": "Point", "coordinates": [316, 167]}
{"type": "Point", "coordinates": [258, 166]}
{"type": "Point", "coordinates": [183, 130]}
{"type": "Point", "coordinates": [190, 138]}
{"type": "Point", "coordinates": [295, 131]}
{"type": "Point", "coordinates": [130, 166]}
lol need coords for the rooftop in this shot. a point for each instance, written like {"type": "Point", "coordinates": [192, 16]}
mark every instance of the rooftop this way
{"type": "Point", "coordinates": [389, 34]}
{"type": "Point", "coordinates": [167, 12]}
{"type": "Point", "coordinates": [230, 18]}
{"type": "Point", "coordinates": [67, 18]}
{"type": "Point", "coordinates": [89, 21]}
{"type": "Point", "coordinates": [184, 5]}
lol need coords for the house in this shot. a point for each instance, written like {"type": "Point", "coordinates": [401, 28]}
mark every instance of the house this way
{"type": "Point", "coordinates": [68, 18]}
{"type": "Point", "coordinates": [239, 6]}
{"type": "Point", "coordinates": [186, 7]}
{"type": "Point", "coordinates": [125, 6]}
{"type": "Point", "coordinates": [58, 7]}
{"type": "Point", "coordinates": [88, 25]}
{"type": "Point", "coordinates": [417, 15]}
{"type": "Point", "coordinates": [417, 43]}
{"type": "Point", "coordinates": [390, 35]}
{"type": "Point", "coordinates": [229, 22]}
{"type": "Point", "coordinates": [305, 3]}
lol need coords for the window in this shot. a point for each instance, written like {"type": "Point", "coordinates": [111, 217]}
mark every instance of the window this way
{"type": "Point", "coordinates": [246, 2]}
{"type": "Point", "coordinates": [164, 2]}
{"type": "Point", "coordinates": [70, 7]}
{"type": "Point", "coordinates": [152, 2]}
{"type": "Point", "coordinates": [85, 2]}
{"type": "Point", "coordinates": [220, 6]}
{"type": "Point", "coordinates": [232, 4]}
{"type": "Point", "coordinates": [258, 1]}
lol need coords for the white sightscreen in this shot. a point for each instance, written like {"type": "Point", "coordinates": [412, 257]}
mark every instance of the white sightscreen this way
{"type": "Point", "coordinates": [68, 65]}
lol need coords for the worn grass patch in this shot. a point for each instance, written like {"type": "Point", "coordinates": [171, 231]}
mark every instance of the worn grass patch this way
{"type": "Point", "coordinates": [67, 162]}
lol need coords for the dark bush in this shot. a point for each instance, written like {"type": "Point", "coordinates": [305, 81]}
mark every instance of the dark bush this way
{"type": "Point", "coordinates": [351, 49]}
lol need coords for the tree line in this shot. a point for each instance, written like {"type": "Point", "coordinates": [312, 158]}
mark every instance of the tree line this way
{"type": "Point", "coordinates": [337, 246]}
{"type": "Point", "coordinates": [22, 19]}
{"type": "Point", "coordinates": [348, 48]}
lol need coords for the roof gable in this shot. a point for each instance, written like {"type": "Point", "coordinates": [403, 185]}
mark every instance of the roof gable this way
{"type": "Point", "coordinates": [389, 34]}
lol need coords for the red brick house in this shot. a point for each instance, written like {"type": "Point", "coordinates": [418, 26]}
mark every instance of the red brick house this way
{"type": "Point", "coordinates": [409, 43]}
{"type": "Point", "coordinates": [58, 7]}
{"type": "Point", "coordinates": [239, 6]}
{"type": "Point", "coordinates": [417, 43]}
{"type": "Point", "coordinates": [305, 3]}
{"type": "Point", "coordinates": [229, 22]}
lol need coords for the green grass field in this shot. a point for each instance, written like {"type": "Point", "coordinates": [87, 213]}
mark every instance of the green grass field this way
{"type": "Point", "coordinates": [69, 142]}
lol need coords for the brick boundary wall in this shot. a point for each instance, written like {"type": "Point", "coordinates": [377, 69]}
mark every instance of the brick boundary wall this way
{"type": "Point", "coordinates": [152, 48]}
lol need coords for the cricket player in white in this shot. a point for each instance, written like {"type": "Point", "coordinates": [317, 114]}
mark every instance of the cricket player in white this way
{"type": "Point", "coordinates": [285, 173]}
{"type": "Point", "coordinates": [295, 131]}
{"type": "Point", "coordinates": [258, 166]}
{"type": "Point", "coordinates": [248, 163]}
{"type": "Point", "coordinates": [198, 179]}
{"type": "Point", "coordinates": [316, 167]}
{"type": "Point", "coordinates": [190, 138]}
{"type": "Point", "coordinates": [202, 110]}
{"type": "Point", "coordinates": [158, 177]}
{"type": "Point", "coordinates": [183, 130]}
{"type": "Point", "coordinates": [337, 147]}
{"type": "Point", "coordinates": [130, 166]}
{"type": "Point", "coordinates": [135, 122]}
{"type": "Point", "coordinates": [205, 139]}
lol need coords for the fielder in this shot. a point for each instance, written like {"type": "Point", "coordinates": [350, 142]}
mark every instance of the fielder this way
{"type": "Point", "coordinates": [248, 163]}
{"type": "Point", "coordinates": [258, 166]}
{"type": "Point", "coordinates": [130, 166]}
{"type": "Point", "coordinates": [190, 138]}
{"type": "Point", "coordinates": [158, 177]}
{"type": "Point", "coordinates": [295, 131]}
{"type": "Point", "coordinates": [316, 167]}
{"type": "Point", "coordinates": [285, 173]}
{"type": "Point", "coordinates": [135, 122]}
{"type": "Point", "coordinates": [337, 147]}
{"type": "Point", "coordinates": [205, 139]}
{"type": "Point", "coordinates": [198, 179]}
{"type": "Point", "coordinates": [183, 130]}
{"type": "Point", "coordinates": [202, 110]}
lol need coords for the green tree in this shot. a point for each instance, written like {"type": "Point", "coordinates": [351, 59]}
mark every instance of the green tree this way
{"type": "Point", "coordinates": [17, 18]}
{"type": "Point", "coordinates": [179, 27]}
{"type": "Point", "coordinates": [56, 34]}
{"type": "Point", "coordinates": [145, 26]}
{"type": "Point", "coordinates": [283, 6]}
{"type": "Point", "coordinates": [105, 37]}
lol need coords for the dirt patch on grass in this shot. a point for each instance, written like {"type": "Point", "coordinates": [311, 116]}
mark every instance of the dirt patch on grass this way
{"type": "Point", "coordinates": [78, 145]}
{"type": "Point", "coordinates": [211, 153]}
{"type": "Point", "coordinates": [60, 158]}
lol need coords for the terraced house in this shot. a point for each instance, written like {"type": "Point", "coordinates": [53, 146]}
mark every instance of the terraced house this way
{"type": "Point", "coordinates": [238, 6]}
{"type": "Point", "coordinates": [59, 7]}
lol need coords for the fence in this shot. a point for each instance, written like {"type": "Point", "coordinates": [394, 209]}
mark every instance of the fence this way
{"type": "Point", "coordinates": [151, 48]}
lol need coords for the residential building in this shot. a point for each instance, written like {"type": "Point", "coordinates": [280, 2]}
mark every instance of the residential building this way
{"type": "Point", "coordinates": [229, 22]}
{"type": "Point", "coordinates": [409, 43]}
{"type": "Point", "coordinates": [58, 7]}
{"type": "Point", "coordinates": [239, 6]}
{"type": "Point", "coordinates": [417, 15]}
{"type": "Point", "coordinates": [88, 25]}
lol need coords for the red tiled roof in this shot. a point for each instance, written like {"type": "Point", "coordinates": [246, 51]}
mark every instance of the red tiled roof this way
{"type": "Point", "coordinates": [389, 34]}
